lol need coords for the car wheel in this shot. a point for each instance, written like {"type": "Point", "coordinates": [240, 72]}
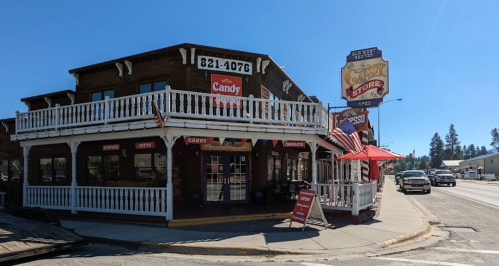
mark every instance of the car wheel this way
{"type": "Point", "coordinates": [454, 184]}
{"type": "Point", "coordinates": [428, 191]}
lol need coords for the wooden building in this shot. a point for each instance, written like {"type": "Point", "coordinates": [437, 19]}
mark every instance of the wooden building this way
{"type": "Point", "coordinates": [234, 123]}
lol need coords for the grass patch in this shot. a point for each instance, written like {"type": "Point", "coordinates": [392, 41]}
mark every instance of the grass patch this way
{"type": "Point", "coordinates": [433, 223]}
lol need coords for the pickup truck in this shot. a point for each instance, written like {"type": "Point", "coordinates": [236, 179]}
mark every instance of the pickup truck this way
{"type": "Point", "coordinates": [443, 177]}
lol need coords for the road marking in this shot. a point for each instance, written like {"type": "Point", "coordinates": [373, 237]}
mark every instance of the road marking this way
{"type": "Point", "coordinates": [470, 199]}
{"type": "Point", "coordinates": [424, 262]}
{"type": "Point", "coordinates": [482, 251]}
{"type": "Point", "coordinates": [314, 264]}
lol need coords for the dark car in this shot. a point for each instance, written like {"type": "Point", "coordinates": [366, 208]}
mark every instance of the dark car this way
{"type": "Point", "coordinates": [414, 180]}
{"type": "Point", "coordinates": [443, 177]}
{"type": "Point", "coordinates": [397, 177]}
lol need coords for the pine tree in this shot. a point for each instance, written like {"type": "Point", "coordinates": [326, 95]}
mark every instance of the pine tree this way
{"type": "Point", "coordinates": [436, 148]}
{"type": "Point", "coordinates": [451, 143]}
{"type": "Point", "coordinates": [472, 151]}
{"type": "Point", "coordinates": [458, 154]}
{"type": "Point", "coordinates": [495, 138]}
{"type": "Point", "coordinates": [483, 151]}
{"type": "Point", "coordinates": [466, 153]}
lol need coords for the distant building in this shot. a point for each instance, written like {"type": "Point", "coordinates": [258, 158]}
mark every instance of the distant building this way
{"type": "Point", "coordinates": [452, 165]}
{"type": "Point", "coordinates": [489, 164]}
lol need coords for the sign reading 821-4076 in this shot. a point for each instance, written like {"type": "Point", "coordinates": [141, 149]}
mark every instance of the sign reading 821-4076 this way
{"type": "Point", "coordinates": [226, 65]}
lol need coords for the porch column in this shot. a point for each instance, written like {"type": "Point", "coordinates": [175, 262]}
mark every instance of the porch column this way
{"type": "Point", "coordinates": [74, 147]}
{"type": "Point", "coordinates": [25, 172]}
{"type": "Point", "coordinates": [169, 141]}
{"type": "Point", "coordinates": [313, 150]}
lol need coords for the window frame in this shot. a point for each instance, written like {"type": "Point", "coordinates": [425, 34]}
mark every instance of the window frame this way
{"type": "Point", "coordinates": [53, 170]}
{"type": "Point", "coordinates": [9, 168]}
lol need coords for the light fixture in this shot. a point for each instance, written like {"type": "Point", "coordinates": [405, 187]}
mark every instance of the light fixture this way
{"type": "Point", "coordinates": [247, 79]}
{"type": "Point", "coordinates": [256, 154]}
{"type": "Point", "coordinates": [205, 75]}
{"type": "Point", "coordinates": [197, 153]}
{"type": "Point", "coordinates": [123, 152]}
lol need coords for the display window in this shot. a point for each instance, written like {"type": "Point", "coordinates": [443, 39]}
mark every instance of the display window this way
{"type": "Point", "coordinates": [53, 169]}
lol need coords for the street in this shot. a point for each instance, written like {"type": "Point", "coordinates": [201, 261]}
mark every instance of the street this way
{"type": "Point", "coordinates": [468, 212]}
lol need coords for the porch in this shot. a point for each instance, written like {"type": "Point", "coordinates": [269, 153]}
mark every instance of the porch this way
{"type": "Point", "coordinates": [152, 202]}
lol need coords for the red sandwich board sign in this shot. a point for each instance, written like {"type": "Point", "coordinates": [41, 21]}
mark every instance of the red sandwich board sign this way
{"type": "Point", "coordinates": [307, 207]}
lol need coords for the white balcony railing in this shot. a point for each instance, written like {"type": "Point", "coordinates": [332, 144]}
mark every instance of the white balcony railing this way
{"type": "Point", "coordinates": [176, 104]}
{"type": "Point", "coordinates": [122, 200]}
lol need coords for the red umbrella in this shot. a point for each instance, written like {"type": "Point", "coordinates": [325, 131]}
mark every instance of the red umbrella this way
{"type": "Point", "coordinates": [371, 152]}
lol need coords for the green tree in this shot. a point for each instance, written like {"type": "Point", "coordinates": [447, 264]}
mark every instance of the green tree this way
{"type": "Point", "coordinates": [466, 152]}
{"type": "Point", "coordinates": [472, 151]}
{"type": "Point", "coordinates": [423, 165]}
{"type": "Point", "coordinates": [451, 143]}
{"type": "Point", "coordinates": [436, 148]}
{"type": "Point", "coordinates": [495, 138]}
{"type": "Point", "coordinates": [458, 153]}
{"type": "Point", "coordinates": [483, 151]}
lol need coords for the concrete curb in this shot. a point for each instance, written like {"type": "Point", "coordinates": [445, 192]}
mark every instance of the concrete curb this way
{"type": "Point", "coordinates": [424, 232]}
{"type": "Point", "coordinates": [195, 250]}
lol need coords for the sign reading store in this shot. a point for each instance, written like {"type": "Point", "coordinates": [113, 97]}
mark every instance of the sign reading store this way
{"type": "Point", "coordinates": [364, 79]}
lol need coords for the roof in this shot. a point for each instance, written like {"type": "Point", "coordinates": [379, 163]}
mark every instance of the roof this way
{"type": "Point", "coordinates": [483, 156]}
{"type": "Point", "coordinates": [57, 94]}
{"type": "Point", "coordinates": [449, 163]}
{"type": "Point", "coordinates": [187, 46]}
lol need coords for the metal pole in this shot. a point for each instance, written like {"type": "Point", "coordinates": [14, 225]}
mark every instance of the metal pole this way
{"type": "Point", "coordinates": [379, 129]}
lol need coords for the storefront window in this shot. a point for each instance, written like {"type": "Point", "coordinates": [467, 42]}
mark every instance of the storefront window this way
{"type": "Point", "coordinates": [100, 168]}
{"type": "Point", "coordinates": [143, 166]}
{"type": "Point", "coordinates": [161, 165]}
{"type": "Point", "coordinates": [277, 168]}
{"type": "Point", "coordinates": [53, 169]}
{"type": "Point", "coordinates": [4, 170]}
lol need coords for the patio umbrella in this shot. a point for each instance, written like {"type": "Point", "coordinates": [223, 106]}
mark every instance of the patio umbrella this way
{"type": "Point", "coordinates": [370, 152]}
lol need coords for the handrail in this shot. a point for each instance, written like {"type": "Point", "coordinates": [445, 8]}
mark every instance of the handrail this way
{"type": "Point", "coordinates": [177, 104]}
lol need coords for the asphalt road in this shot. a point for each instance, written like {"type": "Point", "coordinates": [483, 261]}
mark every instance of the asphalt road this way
{"type": "Point", "coordinates": [465, 214]}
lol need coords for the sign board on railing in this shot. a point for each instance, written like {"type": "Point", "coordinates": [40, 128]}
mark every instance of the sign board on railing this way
{"type": "Point", "coordinates": [307, 207]}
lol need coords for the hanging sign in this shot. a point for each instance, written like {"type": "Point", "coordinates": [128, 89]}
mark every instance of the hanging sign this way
{"type": "Point", "coordinates": [145, 145]}
{"type": "Point", "coordinates": [357, 117]}
{"type": "Point", "coordinates": [227, 146]}
{"type": "Point", "coordinates": [294, 144]}
{"type": "Point", "coordinates": [364, 79]}
{"type": "Point", "coordinates": [307, 207]}
{"type": "Point", "coordinates": [198, 140]}
{"type": "Point", "coordinates": [225, 88]}
{"type": "Point", "coordinates": [111, 147]}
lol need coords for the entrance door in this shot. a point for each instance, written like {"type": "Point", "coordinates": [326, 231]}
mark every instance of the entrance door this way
{"type": "Point", "coordinates": [226, 178]}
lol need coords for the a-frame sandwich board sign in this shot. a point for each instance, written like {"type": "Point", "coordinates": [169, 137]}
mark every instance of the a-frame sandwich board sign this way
{"type": "Point", "coordinates": [307, 207]}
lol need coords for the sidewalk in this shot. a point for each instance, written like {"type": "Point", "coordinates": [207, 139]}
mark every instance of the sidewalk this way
{"type": "Point", "coordinates": [397, 222]}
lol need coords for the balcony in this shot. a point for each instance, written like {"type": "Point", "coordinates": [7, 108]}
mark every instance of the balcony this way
{"type": "Point", "coordinates": [177, 106]}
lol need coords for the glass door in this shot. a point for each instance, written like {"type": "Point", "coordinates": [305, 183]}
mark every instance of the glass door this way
{"type": "Point", "coordinates": [226, 178]}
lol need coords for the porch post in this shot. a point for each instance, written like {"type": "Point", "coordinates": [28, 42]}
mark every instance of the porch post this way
{"type": "Point", "coordinates": [169, 141]}
{"type": "Point", "coordinates": [74, 147]}
{"type": "Point", "coordinates": [25, 172]}
{"type": "Point", "coordinates": [313, 149]}
{"type": "Point", "coordinates": [355, 199]}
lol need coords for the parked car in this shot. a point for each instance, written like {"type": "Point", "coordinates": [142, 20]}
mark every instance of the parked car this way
{"type": "Point", "coordinates": [443, 177]}
{"type": "Point", "coordinates": [414, 180]}
{"type": "Point", "coordinates": [397, 177]}
{"type": "Point", "coordinates": [431, 173]}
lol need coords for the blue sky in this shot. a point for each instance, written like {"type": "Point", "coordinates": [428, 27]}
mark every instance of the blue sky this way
{"type": "Point", "coordinates": [443, 54]}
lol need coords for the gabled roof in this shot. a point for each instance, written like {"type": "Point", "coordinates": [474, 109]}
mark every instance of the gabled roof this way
{"type": "Point", "coordinates": [483, 156]}
{"type": "Point", "coordinates": [450, 163]}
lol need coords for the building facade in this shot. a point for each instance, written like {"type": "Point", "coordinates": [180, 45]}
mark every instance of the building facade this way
{"type": "Point", "coordinates": [232, 123]}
